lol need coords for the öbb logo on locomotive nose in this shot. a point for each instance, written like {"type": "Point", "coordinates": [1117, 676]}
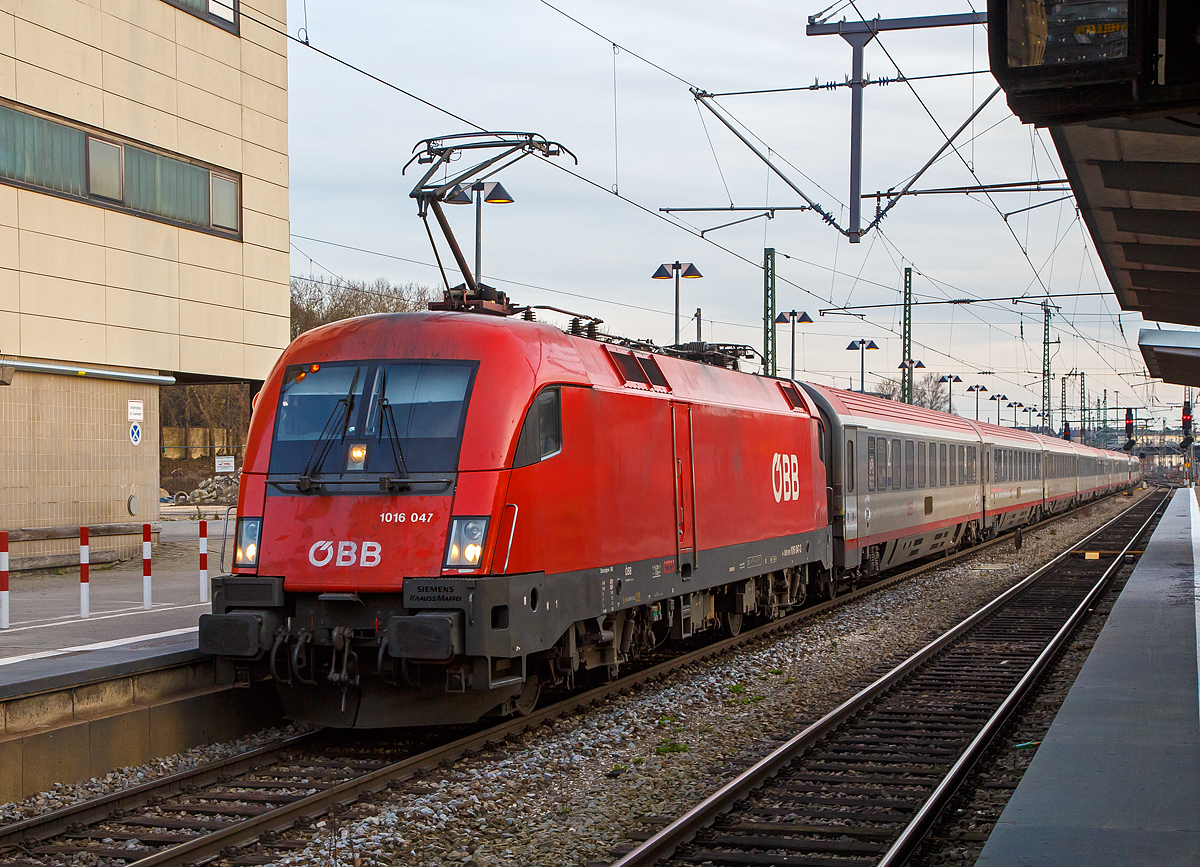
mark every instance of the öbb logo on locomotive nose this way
{"type": "Point", "coordinates": [785, 477]}
{"type": "Point", "coordinates": [347, 553]}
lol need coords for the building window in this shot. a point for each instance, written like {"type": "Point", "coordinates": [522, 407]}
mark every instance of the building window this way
{"type": "Point", "coordinates": [104, 169]}
{"type": "Point", "coordinates": [42, 153]}
{"type": "Point", "coordinates": [60, 158]}
{"type": "Point", "coordinates": [220, 12]}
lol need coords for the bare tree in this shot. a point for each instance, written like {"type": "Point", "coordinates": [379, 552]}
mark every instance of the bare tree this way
{"type": "Point", "coordinates": [930, 393]}
{"type": "Point", "coordinates": [319, 301]}
{"type": "Point", "coordinates": [888, 389]}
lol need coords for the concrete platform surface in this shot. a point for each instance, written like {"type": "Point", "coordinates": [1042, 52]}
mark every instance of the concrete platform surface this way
{"type": "Point", "coordinates": [45, 619]}
{"type": "Point", "coordinates": [1116, 781]}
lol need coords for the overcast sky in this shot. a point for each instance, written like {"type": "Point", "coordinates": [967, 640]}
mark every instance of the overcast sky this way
{"type": "Point", "coordinates": [522, 65]}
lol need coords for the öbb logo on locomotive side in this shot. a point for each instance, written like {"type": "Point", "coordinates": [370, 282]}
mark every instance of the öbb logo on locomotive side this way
{"type": "Point", "coordinates": [785, 477]}
{"type": "Point", "coordinates": [348, 553]}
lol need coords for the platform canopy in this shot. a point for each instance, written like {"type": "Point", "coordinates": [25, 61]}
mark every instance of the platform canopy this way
{"type": "Point", "coordinates": [1172, 356]}
{"type": "Point", "coordinates": [1137, 183]}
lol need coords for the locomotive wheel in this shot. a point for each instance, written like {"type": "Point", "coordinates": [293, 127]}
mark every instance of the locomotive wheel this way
{"type": "Point", "coordinates": [528, 698]}
{"type": "Point", "coordinates": [829, 588]}
{"type": "Point", "coordinates": [731, 623]}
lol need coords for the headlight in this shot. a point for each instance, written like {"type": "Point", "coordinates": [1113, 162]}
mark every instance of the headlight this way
{"type": "Point", "coordinates": [357, 456]}
{"type": "Point", "coordinates": [467, 536]}
{"type": "Point", "coordinates": [248, 532]}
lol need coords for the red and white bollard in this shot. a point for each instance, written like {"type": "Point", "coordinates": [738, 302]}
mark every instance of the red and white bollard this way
{"type": "Point", "coordinates": [85, 604]}
{"type": "Point", "coordinates": [146, 573]}
{"type": "Point", "coordinates": [204, 561]}
{"type": "Point", "coordinates": [3, 580]}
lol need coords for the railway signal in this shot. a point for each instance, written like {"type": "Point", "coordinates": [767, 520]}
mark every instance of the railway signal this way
{"type": "Point", "coordinates": [1187, 426]}
{"type": "Point", "coordinates": [1129, 440]}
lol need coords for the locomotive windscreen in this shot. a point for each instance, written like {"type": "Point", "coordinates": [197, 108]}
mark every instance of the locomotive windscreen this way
{"type": "Point", "coordinates": [403, 417]}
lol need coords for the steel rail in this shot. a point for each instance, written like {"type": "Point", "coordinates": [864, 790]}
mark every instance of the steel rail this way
{"type": "Point", "coordinates": [102, 807]}
{"type": "Point", "coordinates": [206, 846]}
{"type": "Point", "coordinates": [915, 831]}
{"type": "Point", "coordinates": [665, 842]}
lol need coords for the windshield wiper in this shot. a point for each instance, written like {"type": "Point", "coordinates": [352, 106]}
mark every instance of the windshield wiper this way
{"type": "Point", "coordinates": [389, 418]}
{"type": "Point", "coordinates": [305, 482]}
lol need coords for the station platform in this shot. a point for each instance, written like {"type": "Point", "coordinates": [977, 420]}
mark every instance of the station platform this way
{"type": "Point", "coordinates": [1114, 782]}
{"type": "Point", "coordinates": [47, 638]}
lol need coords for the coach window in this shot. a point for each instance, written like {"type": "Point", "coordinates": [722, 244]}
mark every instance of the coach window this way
{"type": "Point", "coordinates": [942, 465]}
{"type": "Point", "coordinates": [971, 465]}
{"type": "Point", "coordinates": [921, 466]}
{"type": "Point", "coordinates": [849, 466]}
{"type": "Point", "coordinates": [541, 434]}
{"type": "Point", "coordinates": [870, 463]}
{"type": "Point", "coordinates": [881, 464]}
{"type": "Point", "coordinates": [953, 465]}
{"type": "Point", "coordinates": [910, 463]}
{"type": "Point", "coordinates": [894, 466]}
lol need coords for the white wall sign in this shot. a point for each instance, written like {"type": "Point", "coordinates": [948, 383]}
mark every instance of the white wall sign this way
{"type": "Point", "coordinates": [136, 411]}
{"type": "Point", "coordinates": [225, 464]}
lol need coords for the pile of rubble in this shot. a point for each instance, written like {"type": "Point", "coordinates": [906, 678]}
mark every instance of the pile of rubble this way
{"type": "Point", "coordinates": [222, 489]}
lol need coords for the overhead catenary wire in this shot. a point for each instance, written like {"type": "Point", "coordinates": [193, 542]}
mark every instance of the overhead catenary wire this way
{"type": "Point", "coordinates": [407, 93]}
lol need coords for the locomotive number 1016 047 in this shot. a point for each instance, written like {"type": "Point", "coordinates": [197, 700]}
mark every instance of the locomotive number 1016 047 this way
{"type": "Point", "coordinates": [405, 517]}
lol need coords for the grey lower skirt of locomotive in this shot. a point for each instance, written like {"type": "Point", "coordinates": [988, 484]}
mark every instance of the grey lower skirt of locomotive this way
{"type": "Point", "coordinates": [350, 660]}
{"type": "Point", "coordinates": [452, 650]}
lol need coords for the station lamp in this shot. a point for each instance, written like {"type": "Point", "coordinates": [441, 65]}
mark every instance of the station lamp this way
{"type": "Point", "coordinates": [978, 389]}
{"type": "Point", "coordinates": [862, 345]}
{"type": "Point", "coordinates": [492, 193]}
{"type": "Point", "coordinates": [793, 317]}
{"type": "Point", "coordinates": [999, 398]}
{"type": "Point", "coordinates": [950, 379]}
{"type": "Point", "coordinates": [677, 269]}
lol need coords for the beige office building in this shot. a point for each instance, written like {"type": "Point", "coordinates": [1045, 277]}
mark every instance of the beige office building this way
{"type": "Point", "coordinates": [143, 236]}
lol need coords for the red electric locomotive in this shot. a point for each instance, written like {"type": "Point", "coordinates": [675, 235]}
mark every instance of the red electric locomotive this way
{"type": "Point", "coordinates": [441, 513]}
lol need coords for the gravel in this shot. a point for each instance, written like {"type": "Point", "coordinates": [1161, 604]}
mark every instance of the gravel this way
{"type": "Point", "coordinates": [63, 795]}
{"type": "Point", "coordinates": [568, 793]}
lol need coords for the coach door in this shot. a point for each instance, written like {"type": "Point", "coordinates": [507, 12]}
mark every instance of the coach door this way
{"type": "Point", "coordinates": [685, 491]}
{"type": "Point", "coordinates": [850, 485]}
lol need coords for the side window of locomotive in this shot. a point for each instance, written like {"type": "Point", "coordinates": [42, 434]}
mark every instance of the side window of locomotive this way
{"type": "Point", "coordinates": [894, 469]}
{"type": "Point", "coordinates": [541, 434]}
{"type": "Point", "coordinates": [850, 467]}
{"type": "Point", "coordinates": [922, 467]}
{"type": "Point", "coordinates": [910, 463]}
{"type": "Point", "coordinates": [870, 463]}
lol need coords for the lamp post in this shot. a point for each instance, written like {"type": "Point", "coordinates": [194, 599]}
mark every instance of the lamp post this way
{"type": "Point", "coordinates": [999, 398]}
{"type": "Point", "coordinates": [679, 269]}
{"type": "Point", "coordinates": [910, 365]}
{"type": "Point", "coordinates": [1016, 405]}
{"type": "Point", "coordinates": [862, 345]}
{"type": "Point", "coordinates": [950, 379]}
{"type": "Point", "coordinates": [793, 317]}
{"type": "Point", "coordinates": [977, 389]}
{"type": "Point", "coordinates": [492, 193]}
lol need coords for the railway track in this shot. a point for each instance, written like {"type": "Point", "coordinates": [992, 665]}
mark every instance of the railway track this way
{"type": "Point", "coordinates": [863, 785]}
{"type": "Point", "coordinates": [208, 812]}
